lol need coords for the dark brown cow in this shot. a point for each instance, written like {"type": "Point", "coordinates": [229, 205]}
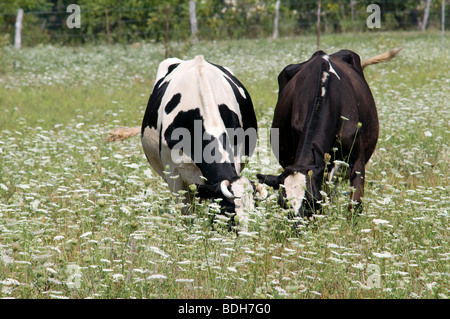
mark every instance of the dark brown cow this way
{"type": "Point", "coordinates": [327, 120]}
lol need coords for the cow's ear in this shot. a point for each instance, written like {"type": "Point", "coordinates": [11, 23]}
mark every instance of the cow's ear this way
{"type": "Point", "coordinates": [350, 58]}
{"type": "Point", "coordinates": [271, 180]}
{"type": "Point", "coordinates": [287, 74]}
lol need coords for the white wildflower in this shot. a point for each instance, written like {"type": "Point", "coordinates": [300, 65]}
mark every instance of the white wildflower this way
{"type": "Point", "coordinates": [125, 210]}
{"type": "Point", "coordinates": [385, 201]}
{"type": "Point", "coordinates": [89, 233]}
{"type": "Point", "coordinates": [51, 270]}
{"type": "Point", "coordinates": [54, 281]}
{"type": "Point", "coordinates": [184, 280]}
{"type": "Point", "coordinates": [249, 234]}
{"type": "Point", "coordinates": [159, 251]}
{"type": "Point", "coordinates": [9, 282]}
{"type": "Point", "coordinates": [132, 165]}
{"type": "Point", "coordinates": [383, 255]}
{"type": "Point", "coordinates": [156, 276]}
{"type": "Point", "coordinates": [118, 277]}
{"type": "Point", "coordinates": [336, 260]}
{"type": "Point", "coordinates": [232, 269]}
{"type": "Point", "coordinates": [380, 221]}
{"type": "Point", "coordinates": [430, 286]}
{"type": "Point", "coordinates": [6, 259]}
{"type": "Point", "coordinates": [148, 173]}
{"type": "Point", "coordinates": [280, 290]}
{"type": "Point", "coordinates": [359, 266]}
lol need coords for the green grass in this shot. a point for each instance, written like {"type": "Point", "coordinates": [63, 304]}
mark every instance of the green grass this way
{"type": "Point", "coordinates": [80, 218]}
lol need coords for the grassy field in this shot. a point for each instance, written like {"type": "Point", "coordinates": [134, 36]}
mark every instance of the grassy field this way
{"type": "Point", "coordinates": [80, 218]}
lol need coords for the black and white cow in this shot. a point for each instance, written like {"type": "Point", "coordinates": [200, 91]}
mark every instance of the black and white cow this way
{"type": "Point", "coordinates": [327, 120]}
{"type": "Point", "coordinates": [198, 126]}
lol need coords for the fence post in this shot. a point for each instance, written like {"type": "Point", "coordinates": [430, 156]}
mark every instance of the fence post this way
{"type": "Point", "coordinates": [275, 22]}
{"type": "Point", "coordinates": [166, 37]}
{"type": "Point", "coordinates": [443, 24]}
{"type": "Point", "coordinates": [18, 34]}
{"type": "Point", "coordinates": [425, 15]}
{"type": "Point", "coordinates": [107, 25]}
{"type": "Point", "coordinates": [319, 5]}
{"type": "Point", "coordinates": [352, 9]}
{"type": "Point", "coordinates": [193, 19]}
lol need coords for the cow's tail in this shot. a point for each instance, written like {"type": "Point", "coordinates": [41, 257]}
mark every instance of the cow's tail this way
{"type": "Point", "coordinates": [122, 133]}
{"type": "Point", "coordinates": [206, 92]}
{"type": "Point", "coordinates": [381, 57]}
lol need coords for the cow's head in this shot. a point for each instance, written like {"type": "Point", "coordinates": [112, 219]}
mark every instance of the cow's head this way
{"type": "Point", "coordinates": [300, 188]}
{"type": "Point", "coordinates": [238, 196]}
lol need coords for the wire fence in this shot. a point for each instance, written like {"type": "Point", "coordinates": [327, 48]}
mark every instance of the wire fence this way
{"type": "Point", "coordinates": [228, 21]}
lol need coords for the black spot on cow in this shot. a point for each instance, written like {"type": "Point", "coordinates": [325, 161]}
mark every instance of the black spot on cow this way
{"type": "Point", "coordinates": [245, 104]}
{"type": "Point", "coordinates": [186, 120]}
{"type": "Point", "coordinates": [153, 105]}
{"type": "Point", "coordinates": [171, 68]}
{"type": "Point", "coordinates": [173, 103]}
{"type": "Point", "coordinates": [214, 171]}
{"type": "Point", "coordinates": [229, 117]}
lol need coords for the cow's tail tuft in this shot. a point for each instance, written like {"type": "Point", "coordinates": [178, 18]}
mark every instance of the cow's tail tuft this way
{"type": "Point", "coordinates": [384, 57]}
{"type": "Point", "coordinates": [122, 133]}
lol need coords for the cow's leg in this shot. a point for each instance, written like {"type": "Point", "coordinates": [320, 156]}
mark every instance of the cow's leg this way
{"type": "Point", "coordinates": [357, 175]}
{"type": "Point", "coordinates": [339, 171]}
{"type": "Point", "coordinates": [177, 186]}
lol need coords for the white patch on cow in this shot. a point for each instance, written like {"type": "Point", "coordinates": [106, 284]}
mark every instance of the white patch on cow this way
{"type": "Point", "coordinates": [243, 190]}
{"type": "Point", "coordinates": [324, 79]}
{"type": "Point", "coordinates": [325, 76]}
{"type": "Point", "coordinates": [331, 69]}
{"type": "Point", "coordinates": [295, 185]}
{"type": "Point", "coordinates": [150, 144]}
